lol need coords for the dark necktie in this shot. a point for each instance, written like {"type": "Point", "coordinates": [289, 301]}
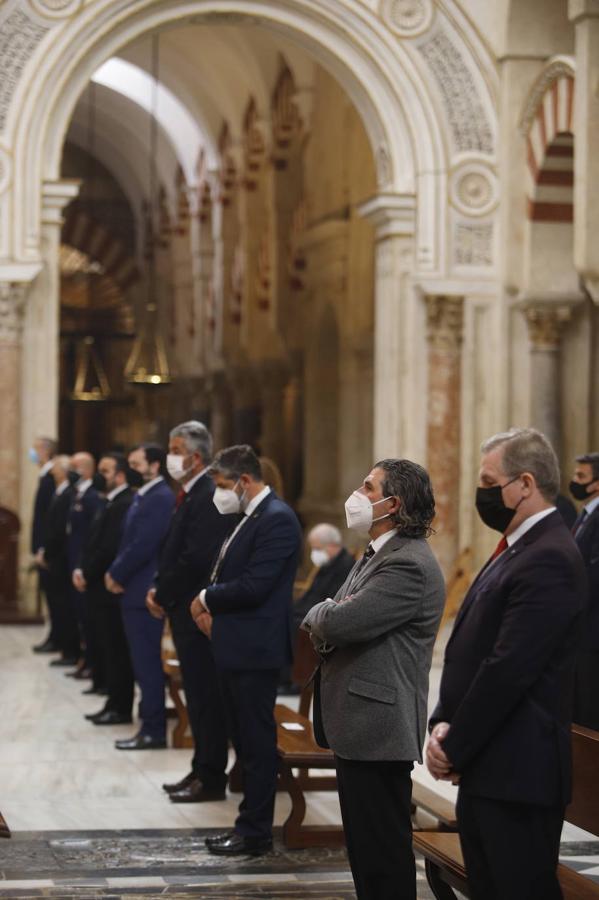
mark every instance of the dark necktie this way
{"type": "Point", "coordinates": [179, 498]}
{"type": "Point", "coordinates": [368, 554]}
{"type": "Point", "coordinates": [580, 520]}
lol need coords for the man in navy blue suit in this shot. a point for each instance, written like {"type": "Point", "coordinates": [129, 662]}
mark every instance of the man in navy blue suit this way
{"type": "Point", "coordinates": [131, 575]}
{"type": "Point", "coordinates": [247, 610]}
{"type": "Point", "coordinates": [196, 533]}
{"type": "Point", "coordinates": [502, 725]}
{"type": "Point", "coordinates": [85, 504]}
{"type": "Point", "coordinates": [42, 454]}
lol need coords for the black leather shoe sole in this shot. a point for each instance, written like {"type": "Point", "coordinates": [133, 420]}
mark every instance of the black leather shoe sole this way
{"type": "Point", "coordinates": [219, 838]}
{"type": "Point", "coordinates": [202, 796]}
{"type": "Point", "coordinates": [68, 661]}
{"type": "Point", "coordinates": [46, 647]}
{"type": "Point", "coordinates": [111, 718]}
{"type": "Point", "coordinates": [241, 847]}
{"type": "Point", "coordinates": [140, 742]}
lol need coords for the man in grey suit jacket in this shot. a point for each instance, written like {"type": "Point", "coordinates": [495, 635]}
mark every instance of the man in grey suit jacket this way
{"type": "Point", "coordinates": [376, 641]}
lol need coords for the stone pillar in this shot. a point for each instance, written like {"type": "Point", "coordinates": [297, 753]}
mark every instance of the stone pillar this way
{"type": "Point", "coordinates": [219, 400]}
{"type": "Point", "coordinates": [393, 218]}
{"type": "Point", "coordinates": [545, 326]}
{"type": "Point", "coordinates": [585, 15]}
{"type": "Point", "coordinates": [12, 300]}
{"type": "Point", "coordinates": [444, 332]}
{"type": "Point", "coordinates": [273, 378]}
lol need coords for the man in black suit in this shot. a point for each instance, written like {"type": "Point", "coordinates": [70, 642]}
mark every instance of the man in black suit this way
{"type": "Point", "coordinates": [42, 454]}
{"type": "Point", "coordinates": [52, 558]}
{"type": "Point", "coordinates": [333, 563]}
{"type": "Point", "coordinates": [585, 487]}
{"type": "Point", "coordinates": [196, 532]}
{"type": "Point", "coordinates": [502, 724]}
{"type": "Point", "coordinates": [97, 556]}
{"type": "Point", "coordinates": [246, 610]}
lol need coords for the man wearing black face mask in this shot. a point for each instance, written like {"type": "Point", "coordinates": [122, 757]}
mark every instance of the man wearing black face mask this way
{"type": "Point", "coordinates": [501, 727]}
{"type": "Point", "coordinates": [585, 487]}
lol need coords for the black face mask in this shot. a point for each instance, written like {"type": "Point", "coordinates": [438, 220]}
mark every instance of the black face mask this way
{"type": "Point", "coordinates": [134, 478]}
{"type": "Point", "coordinates": [491, 508]}
{"type": "Point", "coordinates": [73, 476]}
{"type": "Point", "coordinates": [99, 482]}
{"type": "Point", "coordinates": [578, 490]}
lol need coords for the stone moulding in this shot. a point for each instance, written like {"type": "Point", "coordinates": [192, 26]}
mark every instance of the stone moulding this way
{"type": "Point", "coordinates": [558, 67]}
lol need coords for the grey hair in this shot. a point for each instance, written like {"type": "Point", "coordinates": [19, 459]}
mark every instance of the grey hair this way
{"type": "Point", "coordinates": [197, 438]}
{"type": "Point", "coordinates": [326, 534]}
{"type": "Point", "coordinates": [527, 450]}
{"type": "Point", "coordinates": [63, 462]}
{"type": "Point", "coordinates": [50, 444]}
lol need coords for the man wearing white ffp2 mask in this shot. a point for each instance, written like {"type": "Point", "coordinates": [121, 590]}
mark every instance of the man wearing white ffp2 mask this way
{"type": "Point", "coordinates": [359, 511]}
{"type": "Point", "coordinates": [228, 501]}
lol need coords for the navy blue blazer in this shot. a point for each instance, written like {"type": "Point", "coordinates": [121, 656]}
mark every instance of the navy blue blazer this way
{"type": "Point", "coordinates": [251, 600]}
{"type": "Point", "coordinates": [41, 505]}
{"type": "Point", "coordinates": [196, 533]}
{"type": "Point", "coordinates": [507, 682]}
{"type": "Point", "coordinates": [144, 531]}
{"type": "Point", "coordinates": [587, 539]}
{"type": "Point", "coordinates": [81, 515]}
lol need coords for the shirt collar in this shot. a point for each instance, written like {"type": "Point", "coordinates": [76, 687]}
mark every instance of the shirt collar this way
{"type": "Point", "coordinates": [527, 524]}
{"type": "Point", "coordinates": [189, 484]}
{"type": "Point", "coordinates": [62, 487]}
{"type": "Point", "coordinates": [116, 492]}
{"type": "Point", "coordinates": [591, 505]}
{"type": "Point", "coordinates": [46, 468]}
{"type": "Point", "coordinates": [256, 501]}
{"type": "Point", "coordinates": [82, 486]}
{"type": "Point", "coordinates": [149, 485]}
{"type": "Point", "coordinates": [382, 539]}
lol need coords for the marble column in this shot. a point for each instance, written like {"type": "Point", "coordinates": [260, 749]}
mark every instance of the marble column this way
{"type": "Point", "coordinates": [585, 16]}
{"type": "Point", "coordinates": [393, 216]}
{"type": "Point", "coordinates": [444, 332]}
{"type": "Point", "coordinates": [219, 400]}
{"type": "Point", "coordinates": [12, 301]}
{"type": "Point", "coordinates": [545, 326]}
{"type": "Point", "coordinates": [273, 378]}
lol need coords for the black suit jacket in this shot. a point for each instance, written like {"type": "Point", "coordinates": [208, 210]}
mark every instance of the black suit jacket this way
{"type": "Point", "coordinates": [507, 682]}
{"type": "Point", "coordinates": [102, 542]}
{"type": "Point", "coordinates": [55, 533]}
{"type": "Point", "coordinates": [587, 539]}
{"type": "Point", "coordinates": [41, 505]}
{"type": "Point", "coordinates": [196, 533]}
{"type": "Point", "coordinates": [326, 583]}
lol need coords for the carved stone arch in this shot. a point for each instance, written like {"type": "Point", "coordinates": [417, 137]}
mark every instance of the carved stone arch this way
{"type": "Point", "coordinates": [286, 118]}
{"type": "Point", "coordinates": [94, 240]}
{"type": "Point", "coordinates": [254, 145]}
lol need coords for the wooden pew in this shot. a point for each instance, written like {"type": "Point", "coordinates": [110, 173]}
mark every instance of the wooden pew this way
{"type": "Point", "coordinates": [181, 735]}
{"type": "Point", "coordinates": [444, 862]}
{"type": "Point", "coordinates": [4, 829]}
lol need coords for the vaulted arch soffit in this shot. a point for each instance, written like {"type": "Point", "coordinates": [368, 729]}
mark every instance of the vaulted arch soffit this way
{"type": "Point", "coordinates": [413, 70]}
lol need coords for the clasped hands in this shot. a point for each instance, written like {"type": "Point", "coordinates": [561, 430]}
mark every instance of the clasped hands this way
{"type": "Point", "coordinates": [437, 761]}
{"type": "Point", "coordinates": [201, 617]}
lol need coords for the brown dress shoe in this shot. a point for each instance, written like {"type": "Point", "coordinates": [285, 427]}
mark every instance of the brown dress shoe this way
{"type": "Point", "coordinates": [197, 792]}
{"type": "Point", "coordinates": [179, 785]}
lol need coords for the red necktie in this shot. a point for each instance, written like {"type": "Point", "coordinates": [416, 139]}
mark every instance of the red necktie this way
{"type": "Point", "coordinates": [501, 546]}
{"type": "Point", "coordinates": [179, 498]}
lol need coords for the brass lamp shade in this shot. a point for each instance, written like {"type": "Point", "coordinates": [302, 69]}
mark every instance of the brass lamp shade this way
{"type": "Point", "coordinates": [91, 383]}
{"type": "Point", "coordinates": [148, 363]}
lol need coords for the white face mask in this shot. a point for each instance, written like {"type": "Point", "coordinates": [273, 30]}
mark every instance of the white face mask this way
{"type": "Point", "coordinates": [319, 557]}
{"type": "Point", "coordinates": [358, 511]}
{"type": "Point", "coordinates": [175, 467]}
{"type": "Point", "coordinates": [227, 500]}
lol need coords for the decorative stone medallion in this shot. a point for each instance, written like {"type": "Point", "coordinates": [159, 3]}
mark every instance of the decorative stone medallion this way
{"type": "Point", "coordinates": [473, 189]}
{"type": "Point", "coordinates": [5, 170]}
{"type": "Point", "coordinates": [407, 18]}
{"type": "Point", "coordinates": [56, 9]}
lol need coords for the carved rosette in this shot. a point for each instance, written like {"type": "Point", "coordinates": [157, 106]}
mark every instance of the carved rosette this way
{"type": "Point", "coordinates": [5, 169]}
{"type": "Point", "coordinates": [444, 319]}
{"type": "Point", "coordinates": [12, 304]}
{"type": "Point", "coordinates": [473, 189]}
{"type": "Point", "coordinates": [407, 18]}
{"type": "Point", "coordinates": [56, 9]}
{"type": "Point", "coordinates": [546, 325]}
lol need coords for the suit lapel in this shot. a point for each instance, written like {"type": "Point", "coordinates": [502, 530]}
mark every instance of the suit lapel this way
{"type": "Point", "coordinates": [391, 546]}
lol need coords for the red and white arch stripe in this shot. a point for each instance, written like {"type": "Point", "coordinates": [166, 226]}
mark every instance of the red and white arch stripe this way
{"type": "Point", "coordinates": [550, 153]}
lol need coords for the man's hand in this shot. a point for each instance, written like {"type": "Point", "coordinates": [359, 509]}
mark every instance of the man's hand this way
{"type": "Point", "coordinates": [79, 582]}
{"type": "Point", "coordinates": [196, 609]}
{"type": "Point", "coordinates": [436, 760]}
{"type": "Point", "coordinates": [40, 559]}
{"type": "Point", "coordinates": [204, 623]}
{"type": "Point", "coordinates": [113, 586]}
{"type": "Point", "coordinates": [155, 609]}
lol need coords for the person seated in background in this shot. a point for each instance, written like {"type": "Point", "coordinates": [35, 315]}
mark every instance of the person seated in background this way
{"type": "Point", "coordinates": [333, 563]}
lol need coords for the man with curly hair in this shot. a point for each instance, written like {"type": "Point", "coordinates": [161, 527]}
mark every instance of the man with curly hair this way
{"type": "Point", "coordinates": [375, 638]}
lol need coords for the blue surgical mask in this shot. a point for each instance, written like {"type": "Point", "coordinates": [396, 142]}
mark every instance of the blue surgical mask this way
{"type": "Point", "coordinates": [34, 456]}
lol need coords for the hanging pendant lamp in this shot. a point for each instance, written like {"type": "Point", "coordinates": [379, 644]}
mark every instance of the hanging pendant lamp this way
{"type": "Point", "coordinates": [148, 362]}
{"type": "Point", "coordinates": [91, 383]}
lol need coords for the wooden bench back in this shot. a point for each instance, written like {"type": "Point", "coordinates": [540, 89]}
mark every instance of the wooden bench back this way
{"type": "Point", "coordinates": [584, 809]}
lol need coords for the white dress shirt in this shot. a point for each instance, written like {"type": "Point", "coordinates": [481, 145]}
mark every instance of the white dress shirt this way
{"type": "Point", "coordinates": [527, 524]}
{"type": "Point", "coordinates": [382, 539]}
{"type": "Point", "coordinates": [189, 484]}
{"type": "Point", "coordinates": [591, 506]}
{"type": "Point", "coordinates": [46, 468]}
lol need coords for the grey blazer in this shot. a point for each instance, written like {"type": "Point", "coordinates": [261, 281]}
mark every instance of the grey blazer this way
{"type": "Point", "coordinates": [382, 623]}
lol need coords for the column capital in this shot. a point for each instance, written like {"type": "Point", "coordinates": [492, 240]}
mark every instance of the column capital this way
{"type": "Point", "coordinates": [583, 9]}
{"type": "Point", "coordinates": [56, 195]}
{"type": "Point", "coordinates": [546, 316]}
{"type": "Point", "coordinates": [393, 215]}
{"type": "Point", "coordinates": [444, 319]}
{"type": "Point", "coordinates": [12, 304]}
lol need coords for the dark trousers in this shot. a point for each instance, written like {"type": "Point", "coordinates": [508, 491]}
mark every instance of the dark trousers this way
{"type": "Point", "coordinates": [250, 700]}
{"type": "Point", "coordinates": [113, 649]}
{"type": "Point", "coordinates": [54, 633]}
{"type": "Point", "coordinates": [144, 634]}
{"type": "Point", "coordinates": [511, 850]}
{"type": "Point", "coordinates": [586, 694]}
{"type": "Point", "coordinates": [58, 592]}
{"type": "Point", "coordinates": [375, 799]}
{"type": "Point", "coordinates": [204, 699]}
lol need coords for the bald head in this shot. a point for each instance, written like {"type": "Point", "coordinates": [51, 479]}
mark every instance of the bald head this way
{"type": "Point", "coordinates": [84, 464]}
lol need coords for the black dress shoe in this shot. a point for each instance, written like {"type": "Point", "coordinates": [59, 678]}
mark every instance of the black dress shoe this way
{"type": "Point", "coordinates": [82, 674]}
{"type": "Point", "coordinates": [237, 845]}
{"type": "Point", "coordinates": [219, 838]}
{"type": "Point", "coordinates": [112, 717]}
{"type": "Point", "coordinates": [46, 646]}
{"type": "Point", "coordinates": [64, 661]}
{"type": "Point", "coordinates": [197, 792]}
{"type": "Point", "coordinates": [179, 785]}
{"type": "Point", "coordinates": [91, 716]}
{"type": "Point", "coordinates": [92, 690]}
{"type": "Point", "coordinates": [140, 742]}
